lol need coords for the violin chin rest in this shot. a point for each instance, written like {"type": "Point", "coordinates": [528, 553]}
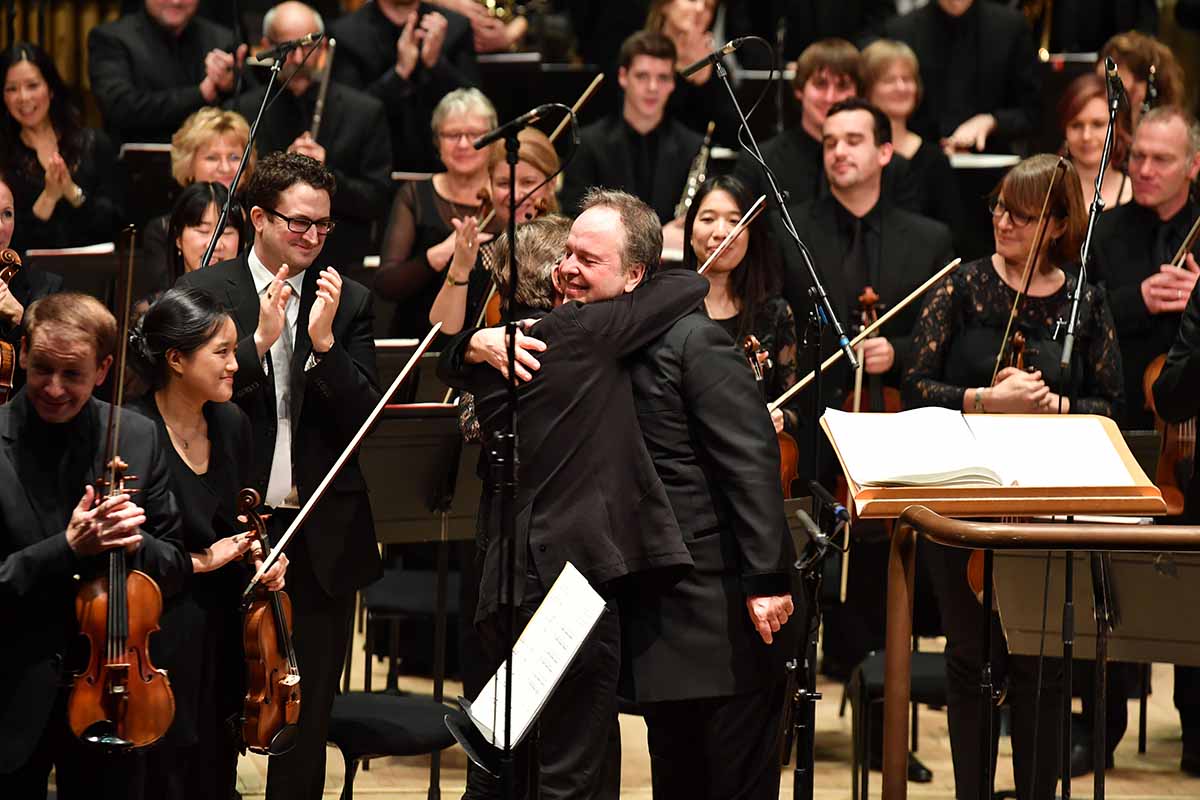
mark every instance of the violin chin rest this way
{"type": "Point", "coordinates": [103, 733]}
{"type": "Point", "coordinates": [284, 740]}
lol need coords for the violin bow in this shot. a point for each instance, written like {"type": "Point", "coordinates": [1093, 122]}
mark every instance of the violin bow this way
{"type": "Point", "coordinates": [304, 513]}
{"type": "Point", "coordinates": [1030, 264]}
{"type": "Point", "coordinates": [742, 224]}
{"type": "Point", "coordinates": [799, 385]}
{"type": "Point", "coordinates": [113, 434]}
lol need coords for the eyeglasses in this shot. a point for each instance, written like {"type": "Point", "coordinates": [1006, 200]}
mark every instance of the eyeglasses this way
{"type": "Point", "coordinates": [301, 226]}
{"type": "Point", "coordinates": [454, 136]}
{"type": "Point", "coordinates": [998, 209]}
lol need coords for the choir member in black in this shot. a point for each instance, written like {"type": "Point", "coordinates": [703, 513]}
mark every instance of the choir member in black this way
{"type": "Point", "coordinates": [804, 22]}
{"type": "Point", "coordinates": [419, 242]}
{"type": "Point", "coordinates": [981, 92]}
{"type": "Point", "coordinates": [891, 81]}
{"type": "Point", "coordinates": [469, 275]}
{"type": "Point", "coordinates": [1134, 245]}
{"type": "Point", "coordinates": [641, 150]}
{"type": "Point", "coordinates": [53, 528]}
{"type": "Point", "coordinates": [1134, 54]}
{"type": "Point", "coordinates": [352, 141]}
{"type": "Point", "coordinates": [307, 379]}
{"type": "Point", "coordinates": [185, 348]}
{"type": "Point", "coordinates": [701, 97]}
{"type": "Point", "coordinates": [63, 176]}
{"type": "Point", "coordinates": [409, 55]}
{"type": "Point", "coordinates": [956, 341]}
{"type": "Point", "coordinates": [190, 227]}
{"type": "Point", "coordinates": [744, 284]}
{"type": "Point", "coordinates": [1083, 120]}
{"type": "Point", "coordinates": [206, 148]}
{"type": "Point", "coordinates": [579, 448]}
{"type": "Point", "coordinates": [1132, 253]}
{"type": "Point", "coordinates": [153, 67]}
{"type": "Point", "coordinates": [28, 285]}
{"type": "Point", "coordinates": [1082, 26]}
{"type": "Point", "coordinates": [705, 657]}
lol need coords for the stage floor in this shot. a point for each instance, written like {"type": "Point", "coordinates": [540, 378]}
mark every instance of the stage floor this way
{"type": "Point", "coordinates": [1153, 775]}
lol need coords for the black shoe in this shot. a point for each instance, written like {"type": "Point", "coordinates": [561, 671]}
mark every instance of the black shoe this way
{"type": "Point", "coordinates": [1082, 759]}
{"type": "Point", "coordinates": [917, 772]}
{"type": "Point", "coordinates": [1190, 763]}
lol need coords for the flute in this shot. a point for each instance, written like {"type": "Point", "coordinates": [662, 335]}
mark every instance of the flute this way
{"type": "Point", "coordinates": [319, 108]}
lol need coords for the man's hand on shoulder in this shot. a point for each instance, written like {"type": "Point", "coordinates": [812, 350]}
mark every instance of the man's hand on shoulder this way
{"type": "Point", "coordinates": [489, 346]}
{"type": "Point", "coordinates": [768, 613]}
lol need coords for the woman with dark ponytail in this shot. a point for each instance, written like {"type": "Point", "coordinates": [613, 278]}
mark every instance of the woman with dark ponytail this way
{"type": "Point", "coordinates": [184, 349]}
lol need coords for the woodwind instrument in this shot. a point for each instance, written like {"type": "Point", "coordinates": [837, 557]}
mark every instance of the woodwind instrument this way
{"type": "Point", "coordinates": [696, 174]}
{"type": "Point", "coordinates": [503, 10]}
{"type": "Point", "coordinates": [319, 108]}
{"type": "Point", "coordinates": [1041, 11]}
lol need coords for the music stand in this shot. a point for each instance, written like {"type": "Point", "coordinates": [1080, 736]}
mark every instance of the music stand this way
{"type": "Point", "coordinates": [152, 188]}
{"type": "Point", "coordinates": [92, 270]}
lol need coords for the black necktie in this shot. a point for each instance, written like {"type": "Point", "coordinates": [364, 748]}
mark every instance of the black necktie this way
{"type": "Point", "coordinates": [854, 265]}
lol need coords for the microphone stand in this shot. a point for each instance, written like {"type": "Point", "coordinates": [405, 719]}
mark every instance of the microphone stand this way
{"type": "Point", "coordinates": [822, 314]}
{"type": "Point", "coordinates": [1102, 616]}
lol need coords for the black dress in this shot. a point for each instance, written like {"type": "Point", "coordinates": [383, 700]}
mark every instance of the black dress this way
{"type": "Point", "coordinates": [200, 644]}
{"type": "Point", "coordinates": [96, 171]}
{"type": "Point", "coordinates": [774, 325]}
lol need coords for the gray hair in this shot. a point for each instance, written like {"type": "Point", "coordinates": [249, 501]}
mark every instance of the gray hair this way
{"type": "Point", "coordinates": [540, 246]}
{"type": "Point", "coordinates": [269, 18]}
{"type": "Point", "coordinates": [463, 101]}
{"type": "Point", "coordinates": [1164, 114]}
{"type": "Point", "coordinates": [643, 239]}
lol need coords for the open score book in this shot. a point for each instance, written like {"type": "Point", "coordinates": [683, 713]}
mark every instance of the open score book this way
{"type": "Point", "coordinates": [944, 447]}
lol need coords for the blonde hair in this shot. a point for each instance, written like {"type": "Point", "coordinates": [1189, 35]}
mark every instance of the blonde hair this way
{"type": "Point", "coordinates": [537, 151]}
{"type": "Point", "coordinates": [541, 243]}
{"type": "Point", "coordinates": [200, 129]}
{"type": "Point", "coordinates": [877, 58]}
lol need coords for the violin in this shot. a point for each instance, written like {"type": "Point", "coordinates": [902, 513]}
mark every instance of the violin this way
{"type": "Point", "coordinates": [789, 453]}
{"type": "Point", "coordinates": [120, 701]}
{"type": "Point", "coordinates": [879, 397]}
{"type": "Point", "coordinates": [271, 709]}
{"type": "Point", "coordinates": [1177, 445]}
{"type": "Point", "coordinates": [10, 264]}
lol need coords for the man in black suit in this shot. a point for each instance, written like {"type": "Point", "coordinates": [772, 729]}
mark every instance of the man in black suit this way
{"type": "Point", "coordinates": [352, 142]}
{"type": "Point", "coordinates": [641, 151]}
{"type": "Point", "coordinates": [984, 88]}
{"type": "Point", "coordinates": [858, 239]}
{"type": "Point", "coordinates": [152, 68]}
{"type": "Point", "coordinates": [1131, 260]}
{"type": "Point", "coordinates": [584, 466]}
{"type": "Point", "coordinates": [307, 379]}
{"type": "Point", "coordinates": [409, 55]}
{"type": "Point", "coordinates": [52, 529]}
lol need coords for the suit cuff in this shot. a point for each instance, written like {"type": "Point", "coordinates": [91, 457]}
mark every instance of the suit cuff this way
{"type": "Point", "coordinates": [766, 584]}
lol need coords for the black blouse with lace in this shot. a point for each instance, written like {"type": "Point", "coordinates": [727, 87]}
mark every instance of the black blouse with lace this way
{"type": "Point", "coordinates": [774, 325]}
{"type": "Point", "coordinates": [962, 322]}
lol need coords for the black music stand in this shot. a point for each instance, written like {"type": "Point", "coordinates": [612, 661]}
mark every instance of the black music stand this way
{"type": "Point", "coordinates": [433, 497]}
{"type": "Point", "coordinates": [91, 270]}
{"type": "Point", "coordinates": [151, 187]}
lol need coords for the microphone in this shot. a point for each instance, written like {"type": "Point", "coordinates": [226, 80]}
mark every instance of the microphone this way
{"type": "Point", "coordinates": [1116, 87]}
{"type": "Point", "coordinates": [821, 495]}
{"type": "Point", "coordinates": [523, 121]}
{"type": "Point", "coordinates": [267, 58]}
{"type": "Point", "coordinates": [712, 57]}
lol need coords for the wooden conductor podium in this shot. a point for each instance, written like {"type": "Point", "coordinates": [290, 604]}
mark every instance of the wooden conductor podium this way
{"type": "Point", "coordinates": [919, 509]}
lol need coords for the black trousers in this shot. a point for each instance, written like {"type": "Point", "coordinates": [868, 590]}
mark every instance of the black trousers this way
{"type": "Point", "coordinates": [80, 771]}
{"type": "Point", "coordinates": [724, 748]}
{"type": "Point", "coordinates": [578, 746]}
{"type": "Point", "coordinates": [321, 631]}
{"type": "Point", "coordinates": [1187, 700]}
{"type": "Point", "coordinates": [1034, 736]}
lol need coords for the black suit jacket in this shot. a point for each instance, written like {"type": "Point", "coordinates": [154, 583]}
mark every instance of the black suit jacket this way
{"type": "Point", "coordinates": [588, 491]}
{"type": "Point", "coordinates": [1004, 82]}
{"type": "Point", "coordinates": [1123, 255]}
{"type": "Point", "coordinates": [366, 60]}
{"type": "Point", "coordinates": [715, 449]}
{"type": "Point", "coordinates": [145, 81]}
{"type": "Point", "coordinates": [603, 159]}
{"type": "Point", "coordinates": [354, 135]}
{"type": "Point", "coordinates": [37, 587]}
{"type": "Point", "coordinates": [332, 400]}
{"type": "Point", "coordinates": [1177, 390]}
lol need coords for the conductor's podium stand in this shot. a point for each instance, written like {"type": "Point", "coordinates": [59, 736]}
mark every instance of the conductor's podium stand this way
{"type": "Point", "coordinates": [920, 510]}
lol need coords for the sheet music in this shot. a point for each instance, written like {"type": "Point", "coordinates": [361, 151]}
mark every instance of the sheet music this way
{"type": "Point", "coordinates": [541, 655]}
{"type": "Point", "coordinates": [1054, 450]}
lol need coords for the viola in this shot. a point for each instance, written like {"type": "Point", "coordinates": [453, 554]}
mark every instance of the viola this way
{"type": "Point", "coordinates": [271, 708]}
{"type": "Point", "coordinates": [789, 453]}
{"type": "Point", "coordinates": [120, 701]}
{"type": "Point", "coordinates": [10, 265]}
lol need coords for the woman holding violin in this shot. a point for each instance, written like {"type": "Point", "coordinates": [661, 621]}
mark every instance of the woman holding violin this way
{"type": "Point", "coordinates": [469, 275]}
{"type": "Point", "coordinates": [956, 341]}
{"type": "Point", "coordinates": [184, 347]}
{"type": "Point", "coordinates": [744, 285]}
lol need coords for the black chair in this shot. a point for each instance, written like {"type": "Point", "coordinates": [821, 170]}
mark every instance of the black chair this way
{"type": "Point", "coordinates": [369, 725]}
{"type": "Point", "coordinates": [402, 595]}
{"type": "Point", "coordinates": [865, 689]}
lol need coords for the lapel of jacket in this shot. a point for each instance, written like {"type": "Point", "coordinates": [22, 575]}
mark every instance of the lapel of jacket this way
{"type": "Point", "coordinates": [896, 267]}
{"type": "Point", "coordinates": [665, 195]}
{"type": "Point", "coordinates": [622, 164]}
{"type": "Point", "coordinates": [244, 301]}
{"type": "Point", "coordinates": [302, 345]}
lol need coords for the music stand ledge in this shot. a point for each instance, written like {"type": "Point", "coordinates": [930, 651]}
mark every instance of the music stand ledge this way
{"type": "Point", "coordinates": [919, 510]}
